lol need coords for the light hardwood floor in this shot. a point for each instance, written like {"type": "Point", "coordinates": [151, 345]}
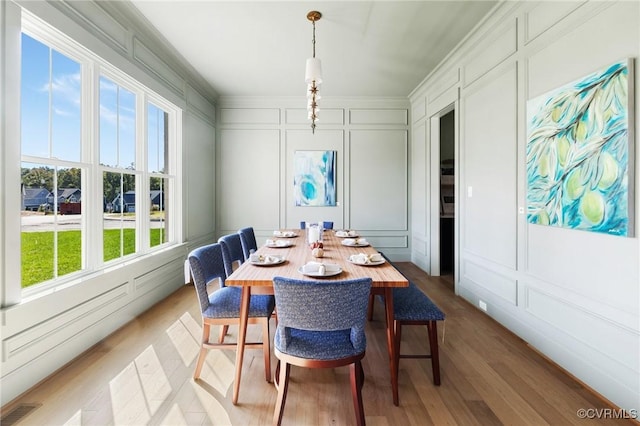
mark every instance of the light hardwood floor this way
{"type": "Point", "coordinates": [141, 375]}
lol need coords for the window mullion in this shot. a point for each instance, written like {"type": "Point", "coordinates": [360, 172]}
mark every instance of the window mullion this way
{"type": "Point", "coordinates": [92, 244]}
{"type": "Point", "coordinates": [142, 194]}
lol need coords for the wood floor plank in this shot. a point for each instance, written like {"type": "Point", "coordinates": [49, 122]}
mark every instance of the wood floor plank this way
{"type": "Point", "coordinates": [142, 375]}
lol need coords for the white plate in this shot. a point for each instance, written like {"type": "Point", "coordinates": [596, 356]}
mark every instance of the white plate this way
{"type": "Point", "coordinates": [263, 263]}
{"type": "Point", "coordinates": [355, 245]}
{"type": "Point", "coordinates": [347, 236]}
{"type": "Point", "coordinates": [286, 245]}
{"type": "Point", "coordinates": [317, 275]}
{"type": "Point", "coordinates": [376, 263]}
{"type": "Point", "coordinates": [280, 234]}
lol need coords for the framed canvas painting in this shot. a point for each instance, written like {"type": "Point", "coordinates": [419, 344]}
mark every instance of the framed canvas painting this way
{"type": "Point", "coordinates": [314, 180]}
{"type": "Point", "coordinates": [580, 151]}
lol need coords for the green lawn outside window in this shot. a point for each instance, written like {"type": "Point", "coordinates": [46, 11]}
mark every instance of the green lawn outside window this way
{"type": "Point", "coordinates": [37, 252]}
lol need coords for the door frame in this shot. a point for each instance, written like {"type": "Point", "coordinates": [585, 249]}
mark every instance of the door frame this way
{"type": "Point", "coordinates": [434, 188]}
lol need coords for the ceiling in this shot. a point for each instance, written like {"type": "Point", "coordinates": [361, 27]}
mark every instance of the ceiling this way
{"type": "Point", "coordinates": [367, 48]}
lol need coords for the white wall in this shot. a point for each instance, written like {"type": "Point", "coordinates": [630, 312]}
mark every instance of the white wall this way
{"type": "Point", "coordinates": [258, 138]}
{"type": "Point", "coordinates": [43, 334]}
{"type": "Point", "coordinates": [573, 295]}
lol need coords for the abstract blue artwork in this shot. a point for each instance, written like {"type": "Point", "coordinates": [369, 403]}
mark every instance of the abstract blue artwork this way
{"type": "Point", "coordinates": [579, 140]}
{"type": "Point", "coordinates": [314, 179]}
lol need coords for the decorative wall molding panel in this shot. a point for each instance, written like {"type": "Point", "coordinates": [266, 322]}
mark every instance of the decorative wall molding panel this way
{"type": "Point", "coordinates": [487, 278]}
{"type": "Point", "coordinates": [40, 338]}
{"type": "Point", "coordinates": [378, 116]}
{"type": "Point", "coordinates": [249, 116]}
{"type": "Point", "coordinates": [98, 21]}
{"type": "Point", "coordinates": [545, 15]}
{"type": "Point", "coordinates": [499, 47]}
{"type": "Point", "coordinates": [327, 116]}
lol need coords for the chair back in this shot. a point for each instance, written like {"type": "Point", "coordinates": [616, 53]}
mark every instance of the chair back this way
{"type": "Point", "coordinates": [327, 224]}
{"type": "Point", "coordinates": [206, 264]}
{"type": "Point", "coordinates": [248, 240]}
{"type": "Point", "coordinates": [322, 306]}
{"type": "Point", "coordinates": [231, 252]}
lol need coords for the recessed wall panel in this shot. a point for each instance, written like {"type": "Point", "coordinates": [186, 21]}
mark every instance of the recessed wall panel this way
{"type": "Point", "coordinates": [399, 241]}
{"type": "Point", "coordinates": [496, 283]}
{"type": "Point", "coordinates": [546, 14]}
{"type": "Point", "coordinates": [494, 51]}
{"type": "Point", "coordinates": [489, 166]}
{"type": "Point", "coordinates": [585, 49]}
{"type": "Point", "coordinates": [199, 171]}
{"type": "Point", "coordinates": [249, 179]}
{"type": "Point", "coordinates": [621, 344]}
{"type": "Point", "coordinates": [250, 116]}
{"type": "Point", "coordinates": [378, 116]}
{"type": "Point", "coordinates": [326, 116]}
{"type": "Point", "coordinates": [418, 180]}
{"type": "Point", "coordinates": [378, 179]}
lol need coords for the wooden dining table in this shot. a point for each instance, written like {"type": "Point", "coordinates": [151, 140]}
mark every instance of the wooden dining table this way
{"type": "Point", "coordinates": [258, 279]}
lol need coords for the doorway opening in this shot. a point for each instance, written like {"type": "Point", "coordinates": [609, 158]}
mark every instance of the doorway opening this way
{"type": "Point", "coordinates": [447, 193]}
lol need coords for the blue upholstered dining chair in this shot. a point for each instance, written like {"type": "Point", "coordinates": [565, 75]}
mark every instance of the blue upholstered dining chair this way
{"type": "Point", "coordinates": [325, 225]}
{"type": "Point", "coordinates": [248, 240]}
{"type": "Point", "coordinates": [411, 306]}
{"type": "Point", "coordinates": [220, 305]}
{"type": "Point", "coordinates": [320, 325]}
{"type": "Point", "coordinates": [231, 252]}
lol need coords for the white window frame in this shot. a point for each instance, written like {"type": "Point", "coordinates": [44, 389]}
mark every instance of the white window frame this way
{"type": "Point", "coordinates": [92, 68]}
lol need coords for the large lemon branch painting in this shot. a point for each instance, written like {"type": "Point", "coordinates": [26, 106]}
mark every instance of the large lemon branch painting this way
{"type": "Point", "coordinates": [579, 154]}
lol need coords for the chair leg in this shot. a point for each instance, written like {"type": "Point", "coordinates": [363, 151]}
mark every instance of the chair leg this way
{"type": "Point", "coordinates": [432, 328]}
{"type": "Point", "coordinates": [377, 291]}
{"type": "Point", "coordinates": [398, 338]}
{"type": "Point", "coordinates": [223, 332]}
{"type": "Point", "coordinates": [372, 301]}
{"type": "Point", "coordinates": [206, 329]}
{"type": "Point", "coordinates": [276, 377]}
{"type": "Point", "coordinates": [282, 385]}
{"type": "Point", "coordinates": [357, 381]}
{"type": "Point", "coordinates": [266, 349]}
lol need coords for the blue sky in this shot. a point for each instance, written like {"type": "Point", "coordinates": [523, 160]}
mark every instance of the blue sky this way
{"type": "Point", "coordinates": [51, 82]}
{"type": "Point", "coordinates": [38, 83]}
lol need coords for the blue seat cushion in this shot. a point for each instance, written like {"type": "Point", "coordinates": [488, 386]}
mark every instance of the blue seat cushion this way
{"type": "Point", "coordinates": [411, 304]}
{"type": "Point", "coordinates": [323, 345]}
{"type": "Point", "coordinates": [225, 303]}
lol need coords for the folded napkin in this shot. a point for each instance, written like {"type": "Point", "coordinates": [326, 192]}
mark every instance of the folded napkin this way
{"type": "Point", "coordinates": [346, 233]}
{"type": "Point", "coordinates": [364, 259]}
{"type": "Point", "coordinates": [261, 258]}
{"type": "Point", "coordinates": [313, 267]}
{"type": "Point", "coordinates": [354, 241]}
{"type": "Point", "coordinates": [284, 233]}
{"type": "Point", "coordinates": [279, 243]}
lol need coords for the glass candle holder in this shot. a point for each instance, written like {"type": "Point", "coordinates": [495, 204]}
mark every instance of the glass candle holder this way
{"type": "Point", "coordinates": [314, 232]}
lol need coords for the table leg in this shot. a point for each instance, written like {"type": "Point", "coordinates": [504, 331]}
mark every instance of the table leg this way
{"type": "Point", "coordinates": [245, 298]}
{"type": "Point", "coordinates": [391, 346]}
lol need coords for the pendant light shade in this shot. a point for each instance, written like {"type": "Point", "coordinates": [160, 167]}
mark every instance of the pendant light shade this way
{"type": "Point", "coordinates": [313, 71]}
